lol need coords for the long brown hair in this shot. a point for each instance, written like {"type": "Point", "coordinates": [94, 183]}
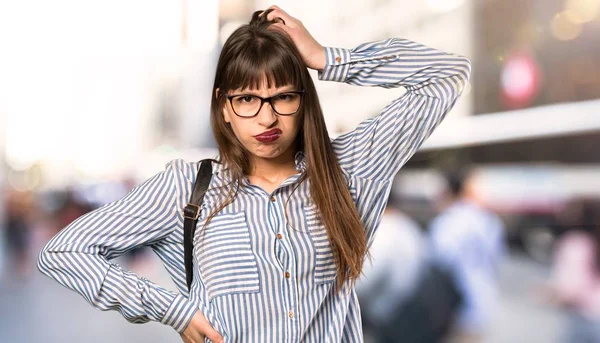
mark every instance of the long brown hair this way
{"type": "Point", "coordinates": [250, 54]}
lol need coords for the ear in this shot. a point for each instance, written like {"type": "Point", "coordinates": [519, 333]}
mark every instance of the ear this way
{"type": "Point", "coordinates": [225, 109]}
{"type": "Point", "coordinates": [226, 114]}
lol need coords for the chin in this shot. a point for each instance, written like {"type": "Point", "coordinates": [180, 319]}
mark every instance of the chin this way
{"type": "Point", "coordinates": [264, 154]}
{"type": "Point", "coordinates": [268, 151]}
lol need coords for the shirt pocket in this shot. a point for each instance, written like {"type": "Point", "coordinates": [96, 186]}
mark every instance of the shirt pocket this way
{"type": "Point", "coordinates": [225, 258]}
{"type": "Point", "coordinates": [324, 267]}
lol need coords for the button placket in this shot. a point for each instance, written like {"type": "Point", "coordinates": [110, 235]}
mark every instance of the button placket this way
{"type": "Point", "coordinates": [279, 251]}
{"type": "Point", "coordinates": [287, 262]}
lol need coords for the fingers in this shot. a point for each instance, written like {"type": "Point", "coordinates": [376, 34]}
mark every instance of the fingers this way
{"type": "Point", "coordinates": [209, 331]}
{"type": "Point", "coordinates": [213, 335]}
{"type": "Point", "coordinates": [187, 338]}
{"type": "Point", "coordinates": [199, 328]}
{"type": "Point", "coordinates": [197, 337]}
{"type": "Point", "coordinates": [281, 27]}
{"type": "Point", "coordinates": [283, 15]}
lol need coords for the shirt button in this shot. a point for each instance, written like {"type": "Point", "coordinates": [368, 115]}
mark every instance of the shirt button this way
{"type": "Point", "coordinates": [287, 275]}
{"type": "Point", "coordinates": [273, 199]}
{"type": "Point", "coordinates": [279, 236]}
{"type": "Point", "coordinates": [291, 314]}
{"type": "Point", "coordinates": [338, 59]}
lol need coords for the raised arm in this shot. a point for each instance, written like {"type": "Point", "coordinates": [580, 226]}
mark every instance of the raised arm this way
{"type": "Point", "coordinates": [379, 146]}
{"type": "Point", "coordinates": [434, 80]}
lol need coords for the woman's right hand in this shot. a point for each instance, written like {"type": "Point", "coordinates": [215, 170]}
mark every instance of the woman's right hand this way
{"type": "Point", "coordinates": [198, 328]}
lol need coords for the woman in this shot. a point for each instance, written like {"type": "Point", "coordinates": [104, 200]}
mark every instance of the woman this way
{"type": "Point", "coordinates": [288, 216]}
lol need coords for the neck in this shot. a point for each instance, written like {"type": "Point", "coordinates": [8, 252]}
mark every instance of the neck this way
{"type": "Point", "coordinates": [270, 168]}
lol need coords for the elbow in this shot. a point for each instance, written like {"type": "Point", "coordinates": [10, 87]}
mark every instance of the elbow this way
{"type": "Point", "coordinates": [44, 264]}
{"type": "Point", "coordinates": [464, 68]}
{"type": "Point", "coordinates": [460, 78]}
{"type": "Point", "coordinates": [48, 262]}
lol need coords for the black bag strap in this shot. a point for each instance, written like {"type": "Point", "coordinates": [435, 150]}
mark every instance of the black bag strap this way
{"type": "Point", "coordinates": [191, 212]}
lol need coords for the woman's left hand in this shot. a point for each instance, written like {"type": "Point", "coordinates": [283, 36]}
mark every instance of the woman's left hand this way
{"type": "Point", "coordinates": [311, 51]}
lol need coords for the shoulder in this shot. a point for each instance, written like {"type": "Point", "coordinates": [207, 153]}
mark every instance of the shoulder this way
{"type": "Point", "coordinates": [181, 174]}
{"type": "Point", "coordinates": [182, 169]}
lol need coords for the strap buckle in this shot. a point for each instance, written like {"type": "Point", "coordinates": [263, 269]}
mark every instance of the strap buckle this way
{"type": "Point", "coordinates": [191, 211]}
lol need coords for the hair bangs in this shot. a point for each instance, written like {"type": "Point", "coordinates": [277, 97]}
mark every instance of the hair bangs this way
{"type": "Point", "coordinates": [262, 65]}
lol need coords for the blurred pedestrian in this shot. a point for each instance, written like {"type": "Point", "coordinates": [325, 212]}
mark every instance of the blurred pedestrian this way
{"type": "Point", "coordinates": [19, 210]}
{"type": "Point", "coordinates": [398, 256]}
{"type": "Point", "coordinates": [575, 282]}
{"type": "Point", "coordinates": [467, 240]}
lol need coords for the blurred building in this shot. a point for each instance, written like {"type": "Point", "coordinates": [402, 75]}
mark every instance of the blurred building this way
{"type": "Point", "coordinates": [535, 84]}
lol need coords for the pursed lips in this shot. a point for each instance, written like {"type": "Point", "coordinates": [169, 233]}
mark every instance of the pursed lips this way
{"type": "Point", "coordinates": [269, 133]}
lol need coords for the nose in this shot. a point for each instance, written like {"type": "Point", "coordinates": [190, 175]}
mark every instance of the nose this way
{"type": "Point", "coordinates": [266, 116]}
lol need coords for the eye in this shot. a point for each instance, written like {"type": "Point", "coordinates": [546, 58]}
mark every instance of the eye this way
{"type": "Point", "coordinates": [286, 97]}
{"type": "Point", "coordinates": [245, 99]}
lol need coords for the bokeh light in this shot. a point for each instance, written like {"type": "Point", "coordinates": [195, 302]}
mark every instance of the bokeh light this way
{"type": "Point", "coordinates": [520, 80]}
{"type": "Point", "coordinates": [563, 28]}
{"type": "Point", "coordinates": [581, 11]}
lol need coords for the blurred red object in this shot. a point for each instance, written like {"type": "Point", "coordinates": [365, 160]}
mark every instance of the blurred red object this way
{"type": "Point", "coordinates": [520, 81]}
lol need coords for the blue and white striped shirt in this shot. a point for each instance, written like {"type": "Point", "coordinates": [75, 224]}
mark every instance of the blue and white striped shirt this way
{"type": "Point", "coordinates": [259, 276]}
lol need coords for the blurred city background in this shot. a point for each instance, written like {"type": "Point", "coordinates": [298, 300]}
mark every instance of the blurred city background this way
{"type": "Point", "coordinates": [96, 96]}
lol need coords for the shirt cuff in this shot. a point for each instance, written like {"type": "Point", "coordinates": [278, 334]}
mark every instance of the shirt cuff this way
{"type": "Point", "coordinates": [180, 313]}
{"type": "Point", "coordinates": [337, 65]}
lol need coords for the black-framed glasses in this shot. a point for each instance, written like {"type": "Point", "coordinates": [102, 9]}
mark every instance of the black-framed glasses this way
{"type": "Point", "coordinates": [284, 104]}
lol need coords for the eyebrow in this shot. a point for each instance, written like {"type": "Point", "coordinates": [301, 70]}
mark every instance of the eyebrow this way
{"type": "Point", "coordinates": [292, 89]}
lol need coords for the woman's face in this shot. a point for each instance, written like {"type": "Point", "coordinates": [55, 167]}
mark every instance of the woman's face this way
{"type": "Point", "coordinates": [268, 134]}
